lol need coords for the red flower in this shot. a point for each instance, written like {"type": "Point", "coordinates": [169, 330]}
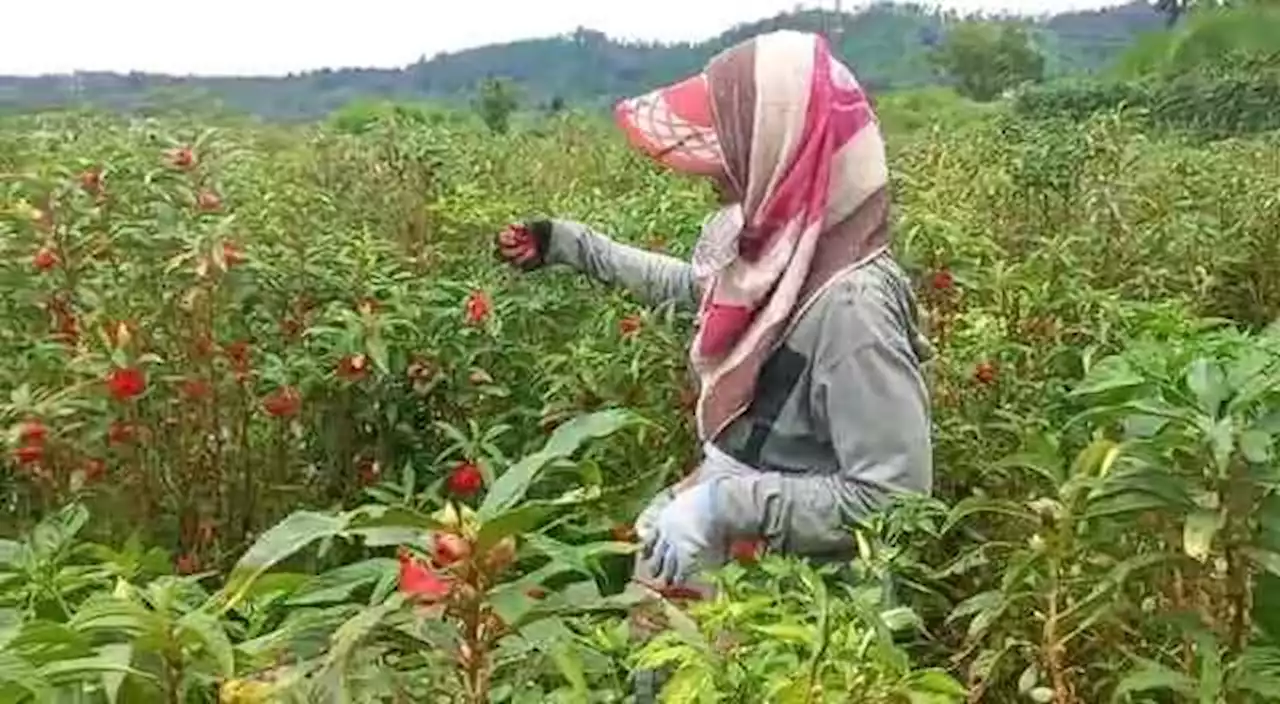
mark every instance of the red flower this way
{"type": "Point", "coordinates": [29, 454]}
{"type": "Point", "coordinates": [238, 353]}
{"type": "Point", "coordinates": [94, 469]}
{"type": "Point", "coordinates": [985, 373]}
{"type": "Point", "coordinates": [195, 388]}
{"type": "Point", "coordinates": [32, 432]}
{"type": "Point", "coordinates": [284, 402]}
{"type": "Point", "coordinates": [91, 180]}
{"type": "Point", "coordinates": [231, 255]}
{"type": "Point", "coordinates": [623, 533]}
{"type": "Point", "coordinates": [450, 548]}
{"type": "Point", "coordinates": [126, 383]}
{"type": "Point", "coordinates": [182, 158]}
{"type": "Point", "coordinates": [478, 307]}
{"type": "Point", "coordinates": [942, 280]}
{"type": "Point", "coordinates": [120, 433]}
{"type": "Point", "coordinates": [418, 580]}
{"type": "Point", "coordinates": [187, 563]}
{"type": "Point", "coordinates": [353, 367]}
{"type": "Point", "coordinates": [45, 259]}
{"type": "Point", "coordinates": [629, 326]}
{"type": "Point", "coordinates": [465, 479]}
{"type": "Point", "coordinates": [746, 551]}
{"type": "Point", "coordinates": [368, 471]}
{"type": "Point", "coordinates": [208, 201]}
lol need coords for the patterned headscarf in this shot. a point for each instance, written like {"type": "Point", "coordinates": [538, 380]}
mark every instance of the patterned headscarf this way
{"type": "Point", "coordinates": [789, 128]}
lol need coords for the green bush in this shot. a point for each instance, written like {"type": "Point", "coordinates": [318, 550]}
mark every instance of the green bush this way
{"type": "Point", "coordinates": [1213, 106]}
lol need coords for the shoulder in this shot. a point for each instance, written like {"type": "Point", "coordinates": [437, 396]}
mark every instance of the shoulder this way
{"type": "Point", "coordinates": [869, 305]}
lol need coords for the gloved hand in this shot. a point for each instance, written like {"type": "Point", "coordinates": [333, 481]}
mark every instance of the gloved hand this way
{"type": "Point", "coordinates": [524, 245]}
{"type": "Point", "coordinates": [683, 532]}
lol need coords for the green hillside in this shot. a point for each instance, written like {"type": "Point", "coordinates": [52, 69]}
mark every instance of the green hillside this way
{"type": "Point", "coordinates": [887, 44]}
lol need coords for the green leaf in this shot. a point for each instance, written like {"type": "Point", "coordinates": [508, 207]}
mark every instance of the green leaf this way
{"type": "Point", "coordinates": [12, 554]}
{"type": "Point", "coordinates": [1152, 676]}
{"type": "Point", "coordinates": [938, 682]}
{"type": "Point", "coordinates": [570, 666]}
{"type": "Point", "coordinates": [1208, 382]}
{"type": "Point", "coordinates": [1222, 440]}
{"type": "Point", "coordinates": [339, 584]}
{"type": "Point", "coordinates": [1255, 445]}
{"type": "Point", "coordinates": [353, 632]}
{"type": "Point", "coordinates": [511, 487]}
{"type": "Point", "coordinates": [583, 559]}
{"type": "Point", "coordinates": [978, 505]}
{"type": "Point", "coordinates": [377, 349]}
{"type": "Point", "coordinates": [280, 542]}
{"type": "Point", "coordinates": [205, 630]}
{"type": "Point", "coordinates": [55, 531]}
{"type": "Point", "coordinates": [687, 686]}
{"type": "Point", "coordinates": [109, 615]}
{"type": "Point", "coordinates": [15, 670]}
{"type": "Point", "coordinates": [795, 633]}
{"type": "Point", "coordinates": [1109, 374]}
{"type": "Point", "coordinates": [1198, 532]}
{"type": "Point", "coordinates": [63, 671]}
{"type": "Point", "coordinates": [1265, 559]}
{"type": "Point", "coordinates": [530, 515]}
{"type": "Point", "coordinates": [122, 655]}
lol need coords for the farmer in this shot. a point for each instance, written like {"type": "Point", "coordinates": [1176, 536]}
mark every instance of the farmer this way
{"type": "Point", "coordinates": [812, 407]}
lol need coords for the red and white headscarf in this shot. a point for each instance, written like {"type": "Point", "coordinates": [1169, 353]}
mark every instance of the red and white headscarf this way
{"type": "Point", "coordinates": [788, 126]}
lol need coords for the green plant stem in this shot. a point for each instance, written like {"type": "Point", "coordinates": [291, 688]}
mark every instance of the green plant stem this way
{"type": "Point", "coordinates": [1052, 646]}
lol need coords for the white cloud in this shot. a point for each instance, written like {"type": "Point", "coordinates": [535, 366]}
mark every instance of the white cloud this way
{"type": "Point", "coordinates": [280, 36]}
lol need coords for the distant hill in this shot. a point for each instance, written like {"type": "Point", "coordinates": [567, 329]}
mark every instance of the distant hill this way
{"type": "Point", "coordinates": [886, 44]}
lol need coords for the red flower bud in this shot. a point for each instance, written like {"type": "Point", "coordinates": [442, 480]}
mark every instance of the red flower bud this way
{"type": "Point", "coordinates": [942, 280]}
{"type": "Point", "coordinates": [450, 548]}
{"type": "Point", "coordinates": [465, 479]}
{"type": "Point", "coordinates": [94, 470]}
{"type": "Point", "coordinates": [91, 180]}
{"type": "Point", "coordinates": [120, 433]}
{"type": "Point", "coordinates": [29, 454]}
{"type": "Point", "coordinates": [985, 373]}
{"type": "Point", "coordinates": [746, 551]}
{"type": "Point", "coordinates": [208, 201]}
{"type": "Point", "coordinates": [32, 432]}
{"type": "Point", "coordinates": [45, 259]}
{"type": "Point", "coordinates": [630, 326]}
{"type": "Point", "coordinates": [126, 383]}
{"type": "Point", "coordinates": [182, 158]}
{"type": "Point", "coordinates": [284, 402]}
{"type": "Point", "coordinates": [478, 307]}
{"type": "Point", "coordinates": [353, 367]}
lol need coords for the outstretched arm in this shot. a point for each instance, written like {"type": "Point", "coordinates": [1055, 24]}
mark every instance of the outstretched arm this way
{"type": "Point", "coordinates": [655, 278]}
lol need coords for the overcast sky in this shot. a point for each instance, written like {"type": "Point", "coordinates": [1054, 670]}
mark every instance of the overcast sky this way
{"type": "Point", "coordinates": [279, 36]}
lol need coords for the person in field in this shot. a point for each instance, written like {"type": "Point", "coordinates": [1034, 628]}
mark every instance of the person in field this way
{"type": "Point", "coordinates": [812, 406]}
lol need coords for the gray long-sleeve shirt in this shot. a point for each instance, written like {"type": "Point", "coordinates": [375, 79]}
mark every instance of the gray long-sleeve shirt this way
{"type": "Point", "coordinates": [840, 420]}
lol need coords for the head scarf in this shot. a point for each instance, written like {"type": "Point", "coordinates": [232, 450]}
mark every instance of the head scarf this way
{"type": "Point", "coordinates": [790, 129]}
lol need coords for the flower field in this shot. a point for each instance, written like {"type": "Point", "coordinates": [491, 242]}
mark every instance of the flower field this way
{"type": "Point", "coordinates": [280, 428]}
